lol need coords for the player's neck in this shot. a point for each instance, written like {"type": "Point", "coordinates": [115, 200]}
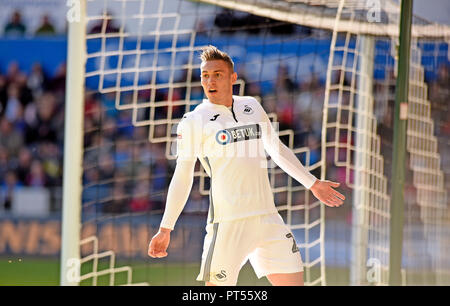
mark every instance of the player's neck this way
{"type": "Point", "coordinates": [228, 102]}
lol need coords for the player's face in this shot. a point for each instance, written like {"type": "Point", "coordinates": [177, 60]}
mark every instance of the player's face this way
{"type": "Point", "coordinates": [217, 81]}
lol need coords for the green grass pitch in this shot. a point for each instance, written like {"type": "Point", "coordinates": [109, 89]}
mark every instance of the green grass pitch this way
{"type": "Point", "coordinates": [23, 271]}
{"type": "Point", "coordinates": [29, 271]}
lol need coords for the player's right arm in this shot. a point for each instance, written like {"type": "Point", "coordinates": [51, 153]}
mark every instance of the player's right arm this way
{"type": "Point", "coordinates": [177, 195]}
{"type": "Point", "coordinates": [188, 145]}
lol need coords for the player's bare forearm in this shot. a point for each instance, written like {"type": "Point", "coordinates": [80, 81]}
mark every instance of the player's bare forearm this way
{"type": "Point", "coordinates": [323, 190]}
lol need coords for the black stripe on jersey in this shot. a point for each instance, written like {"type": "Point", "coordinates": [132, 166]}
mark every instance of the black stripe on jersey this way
{"type": "Point", "coordinates": [232, 111]}
{"type": "Point", "coordinates": [211, 202]}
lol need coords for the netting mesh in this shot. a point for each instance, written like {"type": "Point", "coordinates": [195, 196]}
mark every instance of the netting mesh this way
{"type": "Point", "coordinates": [352, 145]}
{"type": "Point", "coordinates": [426, 179]}
{"type": "Point", "coordinates": [366, 73]}
{"type": "Point", "coordinates": [145, 69]}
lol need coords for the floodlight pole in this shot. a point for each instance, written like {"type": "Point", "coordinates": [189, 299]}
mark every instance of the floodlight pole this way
{"type": "Point", "coordinates": [399, 150]}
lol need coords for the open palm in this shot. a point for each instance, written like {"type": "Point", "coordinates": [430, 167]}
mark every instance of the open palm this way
{"type": "Point", "coordinates": [323, 190]}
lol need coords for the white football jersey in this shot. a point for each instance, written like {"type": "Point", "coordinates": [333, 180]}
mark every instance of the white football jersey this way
{"type": "Point", "coordinates": [230, 144]}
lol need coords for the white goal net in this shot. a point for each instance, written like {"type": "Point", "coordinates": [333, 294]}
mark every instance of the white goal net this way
{"type": "Point", "coordinates": [324, 71]}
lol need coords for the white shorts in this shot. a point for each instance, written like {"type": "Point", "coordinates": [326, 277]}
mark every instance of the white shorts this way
{"type": "Point", "coordinates": [265, 240]}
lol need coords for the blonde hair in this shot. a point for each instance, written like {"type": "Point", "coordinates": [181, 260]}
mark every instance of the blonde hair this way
{"type": "Point", "coordinates": [211, 53]}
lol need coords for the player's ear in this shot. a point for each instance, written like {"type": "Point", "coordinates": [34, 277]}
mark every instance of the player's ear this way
{"type": "Point", "coordinates": [234, 77]}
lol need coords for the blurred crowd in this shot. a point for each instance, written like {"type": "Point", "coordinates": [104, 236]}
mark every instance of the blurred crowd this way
{"type": "Point", "coordinates": [124, 171]}
{"type": "Point", "coordinates": [230, 21]}
{"type": "Point", "coordinates": [123, 168]}
{"type": "Point", "coordinates": [31, 129]}
{"type": "Point", "coordinates": [16, 27]}
{"type": "Point", "coordinates": [227, 21]}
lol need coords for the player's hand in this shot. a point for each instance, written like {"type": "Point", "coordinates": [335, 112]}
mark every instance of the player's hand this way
{"type": "Point", "coordinates": [159, 243]}
{"type": "Point", "coordinates": [323, 190]}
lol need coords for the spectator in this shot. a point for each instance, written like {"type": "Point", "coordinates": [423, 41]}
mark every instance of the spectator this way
{"type": "Point", "coordinates": [224, 20]}
{"type": "Point", "coordinates": [51, 162]}
{"type": "Point", "coordinates": [110, 128]}
{"type": "Point", "coordinates": [109, 103]}
{"type": "Point", "coordinates": [269, 103]}
{"type": "Point", "coordinates": [119, 202]}
{"type": "Point", "coordinates": [285, 110]}
{"type": "Point", "coordinates": [122, 154]}
{"type": "Point", "coordinates": [201, 27]}
{"type": "Point", "coordinates": [3, 94]}
{"type": "Point", "coordinates": [10, 138]}
{"type": "Point", "coordinates": [141, 198]}
{"type": "Point", "coordinates": [313, 143]}
{"type": "Point", "coordinates": [281, 28]}
{"type": "Point", "coordinates": [58, 83]}
{"type": "Point", "coordinates": [105, 25]}
{"type": "Point", "coordinates": [25, 93]}
{"type": "Point", "coordinates": [15, 28]}
{"type": "Point", "coordinates": [37, 80]}
{"type": "Point", "coordinates": [7, 189]}
{"type": "Point", "coordinates": [46, 27]}
{"type": "Point", "coordinates": [13, 108]}
{"type": "Point", "coordinates": [439, 93]}
{"type": "Point", "coordinates": [44, 127]}
{"type": "Point", "coordinates": [4, 162]}
{"type": "Point", "coordinates": [19, 79]}
{"type": "Point", "coordinates": [125, 124]}
{"type": "Point", "coordinates": [13, 73]}
{"type": "Point", "coordinates": [107, 167]}
{"type": "Point", "coordinates": [92, 110]}
{"type": "Point", "coordinates": [147, 154]}
{"type": "Point", "coordinates": [143, 173]}
{"type": "Point", "coordinates": [284, 81]}
{"type": "Point", "coordinates": [254, 23]}
{"type": "Point", "coordinates": [36, 177]}
{"type": "Point", "coordinates": [24, 164]}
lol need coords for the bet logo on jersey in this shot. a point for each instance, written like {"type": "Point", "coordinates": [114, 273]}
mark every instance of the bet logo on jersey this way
{"type": "Point", "coordinates": [239, 133]}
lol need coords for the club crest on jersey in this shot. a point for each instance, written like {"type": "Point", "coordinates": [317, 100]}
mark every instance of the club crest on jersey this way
{"type": "Point", "coordinates": [248, 110]}
{"type": "Point", "coordinates": [239, 133]}
{"type": "Point", "coordinates": [220, 277]}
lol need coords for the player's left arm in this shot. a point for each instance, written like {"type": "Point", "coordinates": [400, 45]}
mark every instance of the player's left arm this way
{"type": "Point", "coordinates": [323, 190]}
{"type": "Point", "coordinates": [286, 160]}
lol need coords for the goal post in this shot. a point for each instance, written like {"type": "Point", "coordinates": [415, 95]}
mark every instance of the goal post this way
{"type": "Point", "coordinates": [73, 144]}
